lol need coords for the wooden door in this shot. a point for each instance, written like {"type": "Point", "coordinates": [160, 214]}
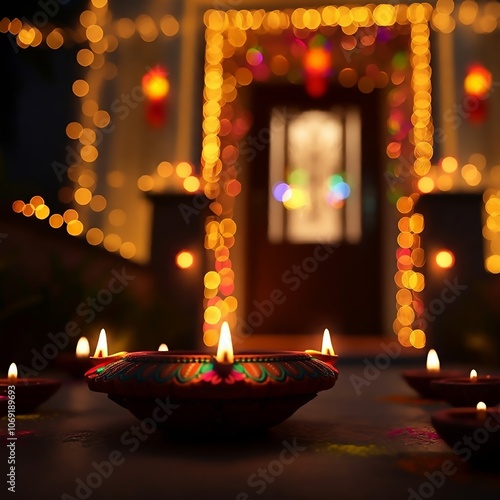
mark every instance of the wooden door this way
{"type": "Point", "coordinates": [307, 286]}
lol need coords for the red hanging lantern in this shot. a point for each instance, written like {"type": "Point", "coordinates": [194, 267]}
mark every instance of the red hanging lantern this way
{"type": "Point", "coordinates": [156, 87]}
{"type": "Point", "coordinates": [317, 67]}
{"type": "Point", "coordinates": [477, 86]}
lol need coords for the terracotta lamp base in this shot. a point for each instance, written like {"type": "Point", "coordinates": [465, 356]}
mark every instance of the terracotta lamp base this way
{"type": "Point", "coordinates": [191, 391]}
{"type": "Point", "coordinates": [465, 393]}
{"type": "Point", "coordinates": [71, 364]}
{"type": "Point", "coordinates": [421, 380]}
{"type": "Point", "coordinates": [210, 417]}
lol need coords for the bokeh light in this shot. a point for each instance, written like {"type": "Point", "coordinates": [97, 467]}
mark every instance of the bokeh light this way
{"type": "Point", "coordinates": [478, 81]}
{"type": "Point", "coordinates": [184, 259]}
{"type": "Point", "coordinates": [155, 84]}
{"type": "Point", "coordinates": [445, 259]}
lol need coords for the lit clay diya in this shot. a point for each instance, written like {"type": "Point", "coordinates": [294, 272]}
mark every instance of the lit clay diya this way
{"type": "Point", "coordinates": [470, 432]}
{"type": "Point", "coordinates": [421, 380]}
{"type": "Point", "coordinates": [466, 392]}
{"type": "Point", "coordinates": [77, 363]}
{"type": "Point", "coordinates": [227, 392]}
{"type": "Point", "coordinates": [29, 392]}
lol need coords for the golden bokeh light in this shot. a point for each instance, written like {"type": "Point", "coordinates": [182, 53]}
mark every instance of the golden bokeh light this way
{"type": "Point", "coordinates": [18, 206]}
{"type": "Point", "coordinates": [42, 212]}
{"type": "Point", "coordinates": [28, 210]}
{"type": "Point", "coordinates": [94, 236]}
{"type": "Point", "coordinates": [36, 201]}
{"type": "Point", "coordinates": [73, 130]}
{"type": "Point", "coordinates": [191, 184]}
{"type": "Point", "coordinates": [211, 337]}
{"type": "Point", "coordinates": [88, 18]}
{"type": "Point", "coordinates": [212, 315]}
{"type": "Point", "coordinates": [56, 221]}
{"type": "Point", "coordinates": [101, 118]}
{"type": "Point", "coordinates": [449, 164]}
{"type": "Point", "coordinates": [54, 39]}
{"type": "Point", "coordinates": [445, 259]}
{"type": "Point", "coordinates": [183, 169]}
{"type": "Point", "coordinates": [169, 25]}
{"type": "Point", "coordinates": [80, 88]}
{"type": "Point", "coordinates": [70, 215]}
{"type": "Point", "coordinates": [404, 204]}
{"type": "Point", "coordinates": [165, 169]}
{"type": "Point", "coordinates": [184, 259]}
{"type": "Point", "coordinates": [425, 184]}
{"type": "Point", "coordinates": [74, 227]}
{"type": "Point", "coordinates": [145, 183]}
{"type": "Point", "coordinates": [89, 153]}
{"type": "Point", "coordinates": [85, 57]}
{"type": "Point", "coordinates": [492, 264]}
{"type": "Point", "coordinates": [94, 33]}
{"type": "Point", "coordinates": [98, 203]}
{"type": "Point", "coordinates": [83, 196]}
{"type": "Point", "coordinates": [89, 107]}
{"type": "Point", "coordinates": [418, 339]}
{"type": "Point", "coordinates": [125, 27]}
{"type": "Point", "coordinates": [127, 250]}
{"type": "Point", "coordinates": [112, 242]}
{"type": "Point", "coordinates": [99, 4]}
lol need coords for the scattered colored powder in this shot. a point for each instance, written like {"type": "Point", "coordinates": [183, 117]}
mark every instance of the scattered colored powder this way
{"type": "Point", "coordinates": [411, 435]}
{"type": "Point", "coordinates": [355, 450]}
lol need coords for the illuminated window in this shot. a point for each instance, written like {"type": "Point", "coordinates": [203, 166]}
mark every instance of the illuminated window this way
{"type": "Point", "coordinates": [315, 176]}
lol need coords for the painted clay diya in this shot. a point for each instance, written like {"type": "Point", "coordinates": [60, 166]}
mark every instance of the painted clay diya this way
{"type": "Point", "coordinates": [251, 391]}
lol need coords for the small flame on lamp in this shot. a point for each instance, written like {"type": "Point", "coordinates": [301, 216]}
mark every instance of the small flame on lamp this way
{"type": "Point", "coordinates": [433, 361]}
{"type": "Point", "coordinates": [473, 376]}
{"type": "Point", "coordinates": [163, 347]}
{"type": "Point", "coordinates": [82, 348]}
{"type": "Point", "coordinates": [101, 351]}
{"type": "Point", "coordinates": [12, 373]}
{"type": "Point", "coordinates": [481, 406]}
{"type": "Point", "coordinates": [327, 347]}
{"type": "Point", "coordinates": [225, 348]}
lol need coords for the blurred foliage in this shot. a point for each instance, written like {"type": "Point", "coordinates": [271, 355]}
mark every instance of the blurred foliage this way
{"type": "Point", "coordinates": [31, 307]}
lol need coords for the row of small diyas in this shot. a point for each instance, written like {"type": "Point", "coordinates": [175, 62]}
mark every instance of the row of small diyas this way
{"type": "Point", "coordinates": [27, 393]}
{"type": "Point", "coordinates": [474, 397]}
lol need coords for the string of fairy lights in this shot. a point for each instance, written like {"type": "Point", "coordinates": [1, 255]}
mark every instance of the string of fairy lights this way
{"type": "Point", "coordinates": [228, 33]}
{"type": "Point", "coordinates": [98, 34]}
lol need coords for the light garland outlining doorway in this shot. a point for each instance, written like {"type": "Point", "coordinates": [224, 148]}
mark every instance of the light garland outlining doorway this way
{"type": "Point", "coordinates": [233, 34]}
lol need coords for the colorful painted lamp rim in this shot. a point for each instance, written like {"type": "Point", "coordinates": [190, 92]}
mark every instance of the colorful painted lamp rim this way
{"type": "Point", "coordinates": [198, 357]}
{"type": "Point", "coordinates": [190, 375]}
